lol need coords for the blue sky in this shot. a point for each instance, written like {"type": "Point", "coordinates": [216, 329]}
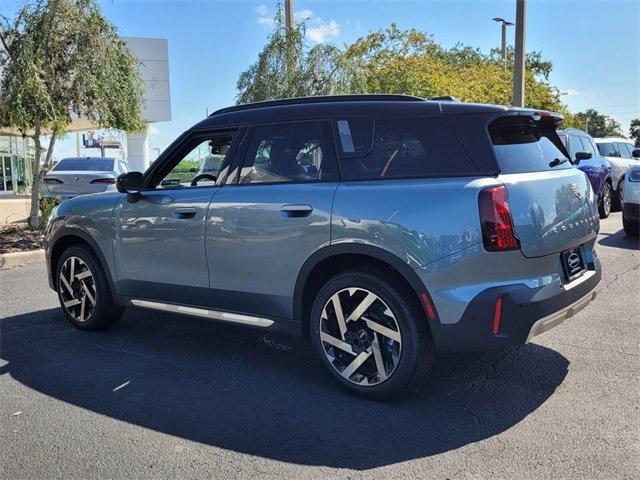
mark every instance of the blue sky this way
{"type": "Point", "coordinates": [594, 45]}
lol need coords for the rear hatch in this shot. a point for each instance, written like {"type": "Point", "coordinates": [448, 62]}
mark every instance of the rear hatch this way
{"type": "Point", "coordinates": [552, 203]}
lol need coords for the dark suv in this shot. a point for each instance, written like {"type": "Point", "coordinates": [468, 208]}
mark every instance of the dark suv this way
{"type": "Point", "coordinates": [385, 228]}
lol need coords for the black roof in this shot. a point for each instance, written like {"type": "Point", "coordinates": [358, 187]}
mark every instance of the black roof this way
{"type": "Point", "coordinates": [308, 108]}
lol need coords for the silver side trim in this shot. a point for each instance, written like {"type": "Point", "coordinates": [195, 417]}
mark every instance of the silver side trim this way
{"type": "Point", "coordinates": [202, 312]}
{"type": "Point", "coordinates": [555, 319]}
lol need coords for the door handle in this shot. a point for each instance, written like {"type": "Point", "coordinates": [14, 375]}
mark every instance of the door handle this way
{"type": "Point", "coordinates": [184, 212]}
{"type": "Point", "coordinates": [296, 211]}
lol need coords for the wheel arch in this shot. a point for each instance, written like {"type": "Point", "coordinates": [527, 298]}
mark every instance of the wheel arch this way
{"type": "Point", "coordinates": [334, 259]}
{"type": "Point", "coordinates": [67, 237]}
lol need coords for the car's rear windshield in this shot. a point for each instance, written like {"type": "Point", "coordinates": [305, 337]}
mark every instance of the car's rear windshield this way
{"type": "Point", "coordinates": [521, 145]}
{"type": "Point", "coordinates": [85, 165]}
{"type": "Point", "coordinates": [399, 148]}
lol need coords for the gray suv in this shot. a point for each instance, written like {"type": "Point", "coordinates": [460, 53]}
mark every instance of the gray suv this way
{"type": "Point", "coordinates": [384, 228]}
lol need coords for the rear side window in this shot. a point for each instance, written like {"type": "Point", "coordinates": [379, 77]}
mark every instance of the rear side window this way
{"type": "Point", "coordinates": [625, 150]}
{"type": "Point", "coordinates": [523, 146]}
{"type": "Point", "coordinates": [397, 148]}
{"type": "Point", "coordinates": [608, 150]}
{"type": "Point", "coordinates": [84, 165]}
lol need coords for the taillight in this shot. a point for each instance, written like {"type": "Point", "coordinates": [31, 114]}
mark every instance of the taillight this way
{"type": "Point", "coordinates": [495, 219]}
{"type": "Point", "coordinates": [104, 180]}
{"type": "Point", "coordinates": [51, 181]}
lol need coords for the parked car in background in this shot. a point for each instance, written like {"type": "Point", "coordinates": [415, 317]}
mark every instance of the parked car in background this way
{"type": "Point", "coordinates": [585, 155]}
{"type": "Point", "coordinates": [384, 228]}
{"type": "Point", "coordinates": [631, 207]}
{"type": "Point", "coordinates": [620, 153]}
{"type": "Point", "coordinates": [75, 176]}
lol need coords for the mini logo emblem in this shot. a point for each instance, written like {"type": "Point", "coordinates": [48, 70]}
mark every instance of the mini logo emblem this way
{"type": "Point", "coordinates": [573, 261]}
{"type": "Point", "coordinates": [76, 178]}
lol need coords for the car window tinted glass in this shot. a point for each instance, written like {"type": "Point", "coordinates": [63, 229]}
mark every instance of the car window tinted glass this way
{"type": "Point", "coordinates": [575, 146]}
{"type": "Point", "coordinates": [203, 158]}
{"type": "Point", "coordinates": [587, 146]}
{"type": "Point", "coordinates": [84, 165]}
{"type": "Point", "coordinates": [522, 146]}
{"type": "Point", "coordinates": [407, 148]}
{"type": "Point", "coordinates": [625, 151]}
{"type": "Point", "coordinates": [355, 136]}
{"type": "Point", "coordinates": [286, 153]}
{"type": "Point", "coordinates": [607, 150]}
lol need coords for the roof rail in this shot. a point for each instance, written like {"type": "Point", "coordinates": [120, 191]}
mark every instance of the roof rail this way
{"type": "Point", "coordinates": [445, 98]}
{"type": "Point", "coordinates": [320, 99]}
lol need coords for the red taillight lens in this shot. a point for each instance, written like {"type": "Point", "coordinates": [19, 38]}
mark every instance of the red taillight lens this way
{"type": "Point", "coordinates": [495, 219]}
{"type": "Point", "coordinates": [51, 181]}
{"type": "Point", "coordinates": [104, 180]}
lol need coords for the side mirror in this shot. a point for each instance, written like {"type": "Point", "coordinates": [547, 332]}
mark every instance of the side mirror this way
{"type": "Point", "coordinates": [130, 182]}
{"type": "Point", "coordinates": [582, 156]}
{"type": "Point", "coordinates": [635, 153]}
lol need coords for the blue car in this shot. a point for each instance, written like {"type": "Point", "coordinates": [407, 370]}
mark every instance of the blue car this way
{"type": "Point", "coordinates": [585, 155]}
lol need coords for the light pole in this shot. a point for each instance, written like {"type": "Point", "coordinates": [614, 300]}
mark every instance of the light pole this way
{"type": "Point", "coordinates": [288, 15]}
{"type": "Point", "coordinates": [505, 24]}
{"type": "Point", "coordinates": [518, 67]}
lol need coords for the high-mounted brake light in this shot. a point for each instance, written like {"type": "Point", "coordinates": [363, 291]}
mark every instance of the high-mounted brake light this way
{"type": "Point", "coordinates": [495, 220]}
{"type": "Point", "coordinates": [104, 180]}
{"type": "Point", "coordinates": [51, 181]}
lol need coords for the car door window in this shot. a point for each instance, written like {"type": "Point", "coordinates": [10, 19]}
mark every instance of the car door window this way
{"type": "Point", "coordinates": [287, 153]}
{"type": "Point", "coordinates": [575, 146]}
{"type": "Point", "coordinates": [608, 150]}
{"type": "Point", "coordinates": [587, 146]}
{"type": "Point", "coordinates": [200, 162]}
{"type": "Point", "coordinates": [625, 151]}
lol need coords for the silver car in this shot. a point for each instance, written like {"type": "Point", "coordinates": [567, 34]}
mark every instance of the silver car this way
{"type": "Point", "coordinates": [621, 154]}
{"type": "Point", "coordinates": [383, 228]}
{"type": "Point", "coordinates": [75, 176]}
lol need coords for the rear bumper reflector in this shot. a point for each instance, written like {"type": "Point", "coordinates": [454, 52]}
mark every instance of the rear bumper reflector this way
{"type": "Point", "coordinates": [428, 307]}
{"type": "Point", "coordinates": [497, 316]}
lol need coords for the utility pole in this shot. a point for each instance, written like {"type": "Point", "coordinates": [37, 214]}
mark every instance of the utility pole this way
{"type": "Point", "coordinates": [288, 15]}
{"type": "Point", "coordinates": [518, 68]}
{"type": "Point", "coordinates": [505, 24]}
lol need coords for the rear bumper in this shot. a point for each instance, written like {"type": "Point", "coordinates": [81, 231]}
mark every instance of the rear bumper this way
{"type": "Point", "coordinates": [631, 211]}
{"type": "Point", "coordinates": [524, 315]}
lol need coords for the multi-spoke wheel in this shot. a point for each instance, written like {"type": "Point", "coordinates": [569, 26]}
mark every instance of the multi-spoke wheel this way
{"type": "Point", "coordinates": [370, 334]}
{"type": "Point", "coordinates": [604, 209]}
{"type": "Point", "coordinates": [77, 289]}
{"type": "Point", "coordinates": [83, 290]}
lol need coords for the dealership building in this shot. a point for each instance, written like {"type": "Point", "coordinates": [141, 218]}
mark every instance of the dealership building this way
{"type": "Point", "coordinates": [17, 153]}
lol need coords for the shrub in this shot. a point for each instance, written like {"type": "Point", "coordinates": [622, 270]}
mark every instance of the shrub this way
{"type": "Point", "coordinates": [46, 206]}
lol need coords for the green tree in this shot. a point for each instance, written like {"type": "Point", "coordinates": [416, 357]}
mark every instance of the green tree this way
{"type": "Point", "coordinates": [289, 67]}
{"type": "Point", "coordinates": [597, 125]}
{"type": "Point", "coordinates": [634, 131]}
{"type": "Point", "coordinates": [59, 58]}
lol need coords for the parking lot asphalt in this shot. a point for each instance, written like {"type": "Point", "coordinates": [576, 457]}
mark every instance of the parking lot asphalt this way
{"type": "Point", "coordinates": [167, 396]}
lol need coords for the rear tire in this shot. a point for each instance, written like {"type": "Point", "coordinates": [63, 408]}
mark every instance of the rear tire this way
{"type": "Point", "coordinates": [382, 346]}
{"type": "Point", "coordinates": [604, 207]}
{"type": "Point", "coordinates": [83, 290]}
{"type": "Point", "coordinates": [631, 228]}
{"type": "Point", "coordinates": [618, 197]}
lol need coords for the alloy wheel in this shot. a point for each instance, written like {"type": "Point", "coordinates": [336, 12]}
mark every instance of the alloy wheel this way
{"type": "Point", "coordinates": [606, 200]}
{"type": "Point", "coordinates": [360, 336]}
{"type": "Point", "coordinates": [77, 289]}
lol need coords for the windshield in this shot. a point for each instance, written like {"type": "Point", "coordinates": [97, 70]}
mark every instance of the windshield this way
{"type": "Point", "coordinates": [84, 165]}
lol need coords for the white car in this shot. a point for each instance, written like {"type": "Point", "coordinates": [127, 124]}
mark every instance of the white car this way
{"type": "Point", "coordinates": [631, 210]}
{"type": "Point", "coordinates": [621, 154]}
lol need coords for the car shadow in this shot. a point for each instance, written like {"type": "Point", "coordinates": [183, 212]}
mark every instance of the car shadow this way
{"type": "Point", "coordinates": [267, 395]}
{"type": "Point", "coordinates": [619, 239]}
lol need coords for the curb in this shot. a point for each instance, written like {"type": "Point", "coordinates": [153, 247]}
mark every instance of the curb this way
{"type": "Point", "coordinates": [18, 259]}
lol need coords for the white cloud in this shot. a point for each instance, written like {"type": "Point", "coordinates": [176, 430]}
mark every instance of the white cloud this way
{"type": "Point", "coordinates": [264, 17]}
{"type": "Point", "coordinates": [322, 31]}
{"type": "Point", "coordinates": [153, 130]}
{"type": "Point", "coordinates": [570, 92]}
{"type": "Point", "coordinates": [303, 15]}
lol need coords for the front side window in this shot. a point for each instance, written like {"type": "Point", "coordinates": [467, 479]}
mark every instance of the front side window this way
{"type": "Point", "coordinates": [587, 146]}
{"type": "Point", "coordinates": [608, 150]}
{"type": "Point", "coordinates": [415, 147]}
{"type": "Point", "coordinates": [200, 165]}
{"type": "Point", "coordinates": [287, 153]}
{"type": "Point", "coordinates": [625, 150]}
{"type": "Point", "coordinates": [575, 146]}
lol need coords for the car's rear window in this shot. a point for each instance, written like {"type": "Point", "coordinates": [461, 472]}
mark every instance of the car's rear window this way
{"type": "Point", "coordinates": [399, 148]}
{"type": "Point", "coordinates": [523, 146]}
{"type": "Point", "coordinates": [84, 164]}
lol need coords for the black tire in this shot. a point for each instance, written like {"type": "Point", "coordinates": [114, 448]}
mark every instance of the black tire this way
{"type": "Point", "coordinates": [103, 312]}
{"type": "Point", "coordinates": [604, 207]}
{"type": "Point", "coordinates": [631, 228]}
{"type": "Point", "coordinates": [417, 348]}
{"type": "Point", "coordinates": [618, 197]}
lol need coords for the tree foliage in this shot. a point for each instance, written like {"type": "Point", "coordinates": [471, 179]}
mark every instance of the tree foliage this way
{"type": "Point", "coordinates": [289, 67]}
{"type": "Point", "coordinates": [62, 58]}
{"type": "Point", "coordinates": [596, 124]}
{"type": "Point", "coordinates": [634, 131]}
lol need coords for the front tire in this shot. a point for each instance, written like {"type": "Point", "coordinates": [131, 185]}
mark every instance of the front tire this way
{"type": "Point", "coordinates": [631, 228]}
{"type": "Point", "coordinates": [618, 202]}
{"type": "Point", "coordinates": [83, 290]}
{"type": "Point", "coordinates": [370, 334]}
{"type": "Point", "coordinates": [604, 207]}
